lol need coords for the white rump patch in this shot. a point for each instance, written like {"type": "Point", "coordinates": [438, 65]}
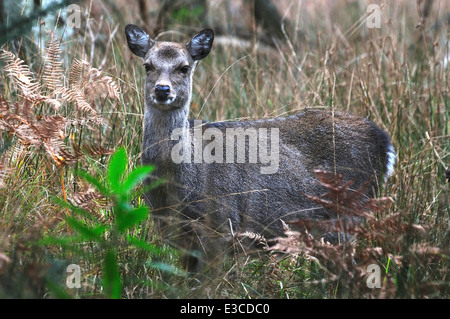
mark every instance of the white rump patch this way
{"type": "Point", "coordinates": [390, 162]}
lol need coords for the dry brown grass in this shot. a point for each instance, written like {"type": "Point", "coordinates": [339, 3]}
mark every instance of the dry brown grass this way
{"type": "Point", "coordinates": [67, 108]}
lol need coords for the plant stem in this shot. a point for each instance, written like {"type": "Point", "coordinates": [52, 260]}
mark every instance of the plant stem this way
{"type": "Point", "coordinates": [61, 170]}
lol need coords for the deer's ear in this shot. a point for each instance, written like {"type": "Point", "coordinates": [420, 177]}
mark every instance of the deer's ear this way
{"type": "Point", "coordinates": [200, 45]}
{"type": "Point", "coordinates": [138, 40]}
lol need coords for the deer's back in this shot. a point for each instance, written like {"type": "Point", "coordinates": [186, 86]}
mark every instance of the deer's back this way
{"type": "Point", "coordinates": [220, 193]}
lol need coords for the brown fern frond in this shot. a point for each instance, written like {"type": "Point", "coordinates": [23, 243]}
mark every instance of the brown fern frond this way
{"type": "Point", "coordinates": [394, 237]}
{"type": "Point", "coordinates": [77, 95]}
{"type": "Point", "coordinates": [93, 150]}
{"type": "Point", "coordinates": [16, 116]}
{"type": "Point", "coordinates": [348, 207]}
{"type": "Point", "coordinates": [52, 74]}
{"type": "Point", "coordinates": [91, 81]}
{"type": "Point", "coordinates": [59, 152]}
{"type": "Point", "coordinates": [256, 238]}
{"type": "Point", "coordinates": [86, 85]}
{"type": "Point", "coordinates": [21, 75]}
{"type": "Point", "coordinates": [91, 201]}
{"type": "Point", "coordinates": [55, 103]}
{"type": "Point", "coordinates": [101, 86]}
{"type": "Point", "coordinates": [47, 132]}
{"type": "Point", "coordinates": [79, 73]}
{"type": "Point", "coordinates": [20, 120]}
{"type": "Point", "coordinates": [26, 135]}
{"type": "Point", "coordinates": [50, 127]}
{"type": "Point", "coordinates": [341, 199]}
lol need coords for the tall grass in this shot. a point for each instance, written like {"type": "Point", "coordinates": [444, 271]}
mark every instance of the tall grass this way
{"type": "Point", "coordinates": [393, 75]}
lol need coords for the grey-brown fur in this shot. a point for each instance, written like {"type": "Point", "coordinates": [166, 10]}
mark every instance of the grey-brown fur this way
{"type": "Point", "coordinates": [201, 205]}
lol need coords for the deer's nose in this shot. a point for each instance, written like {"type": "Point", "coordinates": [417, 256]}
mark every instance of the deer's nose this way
{"type": "Point", "coordinates": [162, 91]}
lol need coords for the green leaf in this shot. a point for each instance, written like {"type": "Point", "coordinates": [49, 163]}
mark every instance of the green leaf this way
{"type": "Point", "coordinates": [89, 233]}
{"type": "Point", "coordinates": [111, 277]}
{"type": "Point", "coordinates": [136, 176]}
{"type": "Point", "coordinates": [127, 220]}
{"type": "Point", "coordinates": [116, 168]}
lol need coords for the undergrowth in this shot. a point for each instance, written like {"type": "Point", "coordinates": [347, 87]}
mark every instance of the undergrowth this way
{"type": "Point", "coordinates": [67, 107]}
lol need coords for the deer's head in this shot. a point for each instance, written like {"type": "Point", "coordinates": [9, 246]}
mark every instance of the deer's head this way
{"type": "Point", "coordinates": [169, 66]}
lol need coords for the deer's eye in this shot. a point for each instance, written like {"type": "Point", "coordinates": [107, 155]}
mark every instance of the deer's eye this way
{"type": "Point", "coordinates": [148, 67]}
{"type": "Point", "coordinates": [184, 69]}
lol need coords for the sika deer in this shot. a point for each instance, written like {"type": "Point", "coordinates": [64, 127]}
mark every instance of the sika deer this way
{"type": "Point", "coordinates": [216, 188]}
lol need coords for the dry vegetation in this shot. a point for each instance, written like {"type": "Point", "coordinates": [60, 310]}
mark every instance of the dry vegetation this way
{"type": "Point", "coordinates": [66, 107]}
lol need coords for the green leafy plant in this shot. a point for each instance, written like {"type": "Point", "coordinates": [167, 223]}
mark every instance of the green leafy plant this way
{"type": "Point", "coordinates": [114, 235]}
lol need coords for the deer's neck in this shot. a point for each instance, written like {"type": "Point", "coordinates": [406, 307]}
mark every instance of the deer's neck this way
{"type": "Point", "coordinates": [159, 127]}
